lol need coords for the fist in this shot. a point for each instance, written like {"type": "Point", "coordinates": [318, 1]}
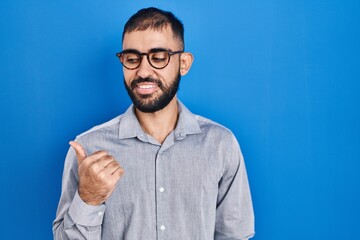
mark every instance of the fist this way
{"type": "Point", "coordinates": [98, 175]}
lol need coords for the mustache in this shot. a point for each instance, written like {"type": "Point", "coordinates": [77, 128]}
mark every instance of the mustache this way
{"type": "Point", "coordinates": [144, 80]}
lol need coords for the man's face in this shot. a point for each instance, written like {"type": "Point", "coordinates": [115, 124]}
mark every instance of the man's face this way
{"type": "Point", "coordinates": [152, 89]}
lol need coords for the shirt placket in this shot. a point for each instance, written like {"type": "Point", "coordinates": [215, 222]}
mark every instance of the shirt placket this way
{"type": "Point", "coordinates": [161, 211]}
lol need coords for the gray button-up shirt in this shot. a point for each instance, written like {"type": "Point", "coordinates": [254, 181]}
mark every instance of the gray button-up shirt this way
{"type": "Point", "coordinates": [193, 186]}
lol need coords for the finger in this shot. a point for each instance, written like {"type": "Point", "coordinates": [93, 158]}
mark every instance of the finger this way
{"type": "Point", "coordinates": [94, 162]}
{"type": "Point", "coordinates": [118, 172]}
{"type": "Point", "coordinates": [96, 157]}
{"type": "Point", "coordinates": [112, 168]}
{"type": "Point", "coordinates": [105, 160]}
{"type": "Point", "coordinates": [79, 150]}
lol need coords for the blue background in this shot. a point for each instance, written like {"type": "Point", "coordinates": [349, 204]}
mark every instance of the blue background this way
{"type": "Point", "coordinates": [282, 75]}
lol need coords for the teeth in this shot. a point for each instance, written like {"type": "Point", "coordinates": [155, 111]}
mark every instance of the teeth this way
{"type": "Point", "coordinates": [146, 86]}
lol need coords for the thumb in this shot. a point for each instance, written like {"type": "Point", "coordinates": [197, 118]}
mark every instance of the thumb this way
{"type": "Point", "coordinates": [79, 150]}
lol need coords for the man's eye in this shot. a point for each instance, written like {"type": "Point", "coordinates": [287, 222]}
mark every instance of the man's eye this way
{"type": "Point", "coordinates": [132, 60]}
{"type": "Point", "coordinates": [158, 59]}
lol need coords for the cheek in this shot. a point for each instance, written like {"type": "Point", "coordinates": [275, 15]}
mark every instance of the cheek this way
{"type": "Point", "coordinates": [126, 72]}
{"type": "Point", "coordinates": [128, 75]}
{"type": "Point", "coordinates": [170, 72]}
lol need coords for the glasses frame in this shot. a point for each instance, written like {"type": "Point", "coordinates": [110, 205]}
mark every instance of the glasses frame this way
{"type": "Point", "coordinates": [154, 50]}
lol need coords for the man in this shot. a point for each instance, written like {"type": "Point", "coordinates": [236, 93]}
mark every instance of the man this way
{"type": "Point", "coordinates": [184, 177]}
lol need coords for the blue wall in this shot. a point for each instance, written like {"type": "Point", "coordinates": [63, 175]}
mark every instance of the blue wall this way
{"type": "Point", "coordinates": [283, 75]}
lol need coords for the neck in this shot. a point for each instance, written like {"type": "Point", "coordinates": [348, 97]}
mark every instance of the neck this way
{"type": "Point", "coordinates": [159, 124]}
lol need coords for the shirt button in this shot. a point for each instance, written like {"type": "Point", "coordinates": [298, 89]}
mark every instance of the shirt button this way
{"type": "Point", "coordinates": [100, 213]}
{"type": "Point", "coordinates": [162, 227]}
{"type": "Point", "coordinates": [161, 189]}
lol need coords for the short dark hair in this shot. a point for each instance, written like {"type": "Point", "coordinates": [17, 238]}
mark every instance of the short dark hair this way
{"type": "Point", "coordinates": [156, 19]}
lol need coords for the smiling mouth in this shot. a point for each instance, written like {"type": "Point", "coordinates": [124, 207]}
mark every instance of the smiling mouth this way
{"type": "Point", "coordinates": [145, 88]}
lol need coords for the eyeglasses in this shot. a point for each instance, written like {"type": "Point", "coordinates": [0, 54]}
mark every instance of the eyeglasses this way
{"type": "Point", "coordinates": [158, 58]}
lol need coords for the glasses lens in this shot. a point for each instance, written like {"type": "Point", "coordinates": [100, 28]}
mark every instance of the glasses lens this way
{"type": "Point", "coordinates": [159, 59]}
{"type": "Point", "coordinates": [130, 60]}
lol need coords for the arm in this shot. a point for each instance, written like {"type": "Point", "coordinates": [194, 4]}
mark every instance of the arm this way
{"type": "Point", "coordinates": [73, 215]}
{"type": "Point", "coordinates": [76, 218]}
{"type": "Point", "coordinates": [79, 221]}
{"type": "Point", "coordinates": [234, 213]}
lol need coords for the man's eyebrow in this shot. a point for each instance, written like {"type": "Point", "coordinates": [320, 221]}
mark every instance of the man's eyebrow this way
{"type": "Point", "coordinates": [130, 50]}
{"type": "Point", "coordinates": [151, 50]}
{"type": "Point", "coordinates": [158, 49]}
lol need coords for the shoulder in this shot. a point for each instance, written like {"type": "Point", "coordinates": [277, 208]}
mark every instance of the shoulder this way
{"type": "Point", "coordinates": [94, 139]}
{"type": "Point", "coordinates": [221, 136]}
{"type": "Point", "coordinates": [207, 128]}
{"type": "Point", "coordinates": [211, 127]}
{"type": "Point", "coordinates": [107, 128]}
{"type": "Point", "coordinates": [221, 141]}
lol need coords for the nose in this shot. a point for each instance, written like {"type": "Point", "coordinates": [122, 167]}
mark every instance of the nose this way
{"type": "Point", "coordinates": [145, 69]}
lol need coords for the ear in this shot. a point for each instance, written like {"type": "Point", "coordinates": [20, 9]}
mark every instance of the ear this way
{"type": "Point", "coordinates": [186, 60]}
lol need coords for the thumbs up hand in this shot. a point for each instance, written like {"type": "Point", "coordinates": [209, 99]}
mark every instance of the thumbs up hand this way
{"type": "Point", "coordinates": [98, 174]}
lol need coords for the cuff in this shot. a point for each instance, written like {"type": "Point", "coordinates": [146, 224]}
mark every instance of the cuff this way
{"type": "Point", "coordinates": [84, 214]}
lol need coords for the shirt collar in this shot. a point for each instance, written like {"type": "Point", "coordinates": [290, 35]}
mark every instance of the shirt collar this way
{"type": "Point", "coordinates": [129, 126]}
{"type": "Point", "coordinates": [187, 123]}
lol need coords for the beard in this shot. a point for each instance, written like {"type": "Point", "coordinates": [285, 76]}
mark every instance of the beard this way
{"type": "Point", "coordinates": [148, 103]}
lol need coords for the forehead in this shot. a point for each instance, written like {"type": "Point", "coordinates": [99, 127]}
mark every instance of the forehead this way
{"type": "Point", "coordinates": [150, 38]}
